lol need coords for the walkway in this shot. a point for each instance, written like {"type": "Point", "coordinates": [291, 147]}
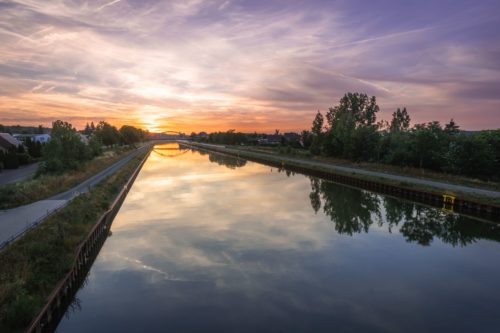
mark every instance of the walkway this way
{"type": "Point", "coordinates": [15, 175]}
{"type": "Point", "coordinates": [16, 221]}
{"type": "Point", "coordinates": [411, 180]}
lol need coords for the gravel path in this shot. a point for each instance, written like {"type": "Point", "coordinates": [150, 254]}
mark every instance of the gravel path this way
{"type": "Point", "coordinates": [411, 180]}
{"type": "Point", "coordinates": [14, 222]}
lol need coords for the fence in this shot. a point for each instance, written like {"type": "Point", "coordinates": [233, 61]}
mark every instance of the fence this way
{"type": "Point", "coordinates": [63, 293]}
{"type": "Point", "coordinates": [31, 226]}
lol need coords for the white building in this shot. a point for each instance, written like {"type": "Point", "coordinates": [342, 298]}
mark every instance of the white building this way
{"type": "Point", "coordinates": [42, 138]}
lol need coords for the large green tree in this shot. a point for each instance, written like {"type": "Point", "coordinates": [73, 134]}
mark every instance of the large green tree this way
{"type": "Point", "coordinates": [65, 150]}
{"type": "Point", "coordinates": [352, 131]}
{"type": "Point", "coordinates": [107, 134]}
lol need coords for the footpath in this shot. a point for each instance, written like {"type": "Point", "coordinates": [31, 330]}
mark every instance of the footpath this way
{"type": "Point", "coordinates": [16, 221]}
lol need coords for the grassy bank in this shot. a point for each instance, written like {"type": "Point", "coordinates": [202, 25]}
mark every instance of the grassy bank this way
{"type": "Point", "coordinates": [45, 186]}
{"type": "Point", "coordinates": [387, 168]}
{"type": "Point", "coordinates": [271, 156]}
{"type": "Point", "coordinates": [33, 265]}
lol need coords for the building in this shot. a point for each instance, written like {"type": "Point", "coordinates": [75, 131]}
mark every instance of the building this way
{"type": "Point", "coordinates": [7, 142]}
{"type": "Point", "coordinates": [291, 136]}
{"type": "Point", "coordinates": [270, 140]}
{"type": "Point", "coordinates": [42, 138]}
{"type": "Point", "coordinates": [84, 138]}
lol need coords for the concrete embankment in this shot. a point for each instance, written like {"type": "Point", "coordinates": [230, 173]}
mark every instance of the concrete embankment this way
{"type": "Point", "coordinates": [451, 197]}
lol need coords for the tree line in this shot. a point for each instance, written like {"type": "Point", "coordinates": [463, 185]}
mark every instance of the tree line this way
{"type": "Point", "coordinates": [68, 148]}
{"type": "Point", "coordinates": [350, 131]}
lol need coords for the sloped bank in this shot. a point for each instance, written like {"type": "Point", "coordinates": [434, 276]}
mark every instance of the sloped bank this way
{"type": "Point", "coordinates": [49, 264]}
{"type": "Point", "coordinates": [452, 202]}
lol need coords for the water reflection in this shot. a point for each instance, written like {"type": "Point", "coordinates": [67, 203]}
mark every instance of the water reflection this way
{"type": "Point", "coordinates": [226, 160]}
{"type": "Point", "coordinates": [207, 243]}
{"type": "Point", "coordinates": [353, 211]}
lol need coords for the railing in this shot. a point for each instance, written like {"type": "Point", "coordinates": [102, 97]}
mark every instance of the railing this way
{"type": "Point", "coordinates": [34, 224]}
{"type": "Point", "coordinates": [54, 309]}
{"type": "Point", "coordinates": [31, 226]}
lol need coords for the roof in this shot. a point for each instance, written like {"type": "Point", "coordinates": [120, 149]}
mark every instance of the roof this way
{"type": "Point", "coordinates": [10, 139]}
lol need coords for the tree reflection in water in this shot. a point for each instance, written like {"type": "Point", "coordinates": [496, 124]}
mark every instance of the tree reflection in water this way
{"type": "Point", "coordinates": [354, 211]}
{"type": "Point", "coordinates": [228, 161]}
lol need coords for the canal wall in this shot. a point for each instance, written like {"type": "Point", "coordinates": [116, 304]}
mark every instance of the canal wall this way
{"type": "Point", "coordinates": [446, 201]}
{"type": "Point", "coordinates": [63, 294]}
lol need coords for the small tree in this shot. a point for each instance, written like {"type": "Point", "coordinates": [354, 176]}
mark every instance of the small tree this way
{"type": "Point", "coordinates": [400, 121]}
{"type": "Point", "coordinates": [317, 126]}
{"type": "Point", "coordinates": [451, 128]}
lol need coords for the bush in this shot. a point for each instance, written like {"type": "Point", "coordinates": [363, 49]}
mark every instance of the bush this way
{"type": "Point", "coordinates": [24, 158]}
{"type": "Point", "coordinates": [11, 160]}
{"type": "Point", "coordinates": [21, 312]}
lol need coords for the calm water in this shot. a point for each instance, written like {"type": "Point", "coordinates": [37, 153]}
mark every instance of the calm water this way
{"type": "Point", "coordinates": [207, 243]}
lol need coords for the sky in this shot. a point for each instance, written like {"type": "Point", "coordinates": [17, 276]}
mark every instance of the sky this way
{"type": "Point", "coordinates": [252, 65]}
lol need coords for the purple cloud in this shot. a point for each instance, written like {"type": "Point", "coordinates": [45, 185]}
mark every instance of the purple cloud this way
{"type": "Point", "coordinates": [246, 64]}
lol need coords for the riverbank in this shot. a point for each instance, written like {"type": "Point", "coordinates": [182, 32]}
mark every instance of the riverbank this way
{"type": "Point", "coordinates": [34, 189]}
{"type": "Point", "coordinates": [378, 167]}
{"type": "Point", "coordinates": [461, 198]}
{"type": "Point", "coordinates": [40, 259]}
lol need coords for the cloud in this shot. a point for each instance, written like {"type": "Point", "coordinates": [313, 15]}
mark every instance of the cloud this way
{"type": "Point", "coordinates": [211, 65]}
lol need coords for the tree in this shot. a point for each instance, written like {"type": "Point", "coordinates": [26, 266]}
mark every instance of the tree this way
{"type": "Point", "coordinates": [65, 150]}
{"type": "Point", "coordinates": [352, 128]}
{"type": "Point", "coordinates": [317, 126]}
{"type": "Point", "coordinates": [34, 148]}
{"type": "Point", "coordinates": [362, 108]}
{"type": "Point", "coordinates": [107, 134]}
{"type": "Point", "coordinates": [10, 159]}
{"type": "Point", "coordinates": [427, 142]}
{"type": "Point", "coordinates": [451, 128]}
{"type": "Point", "coordinates": [87, 130]}
{"type": "Point", "coordinates": [130, 134]}
{"type": "Point", "coordinates": [306, 138]}
{"type": "Point", "coordinates": [400, 121]}
{"type": "Point", "coordinates": [471, 156]}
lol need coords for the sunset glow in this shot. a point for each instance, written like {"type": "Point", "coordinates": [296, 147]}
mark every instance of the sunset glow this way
{"type": "Point", "coordinates": [245, 65]}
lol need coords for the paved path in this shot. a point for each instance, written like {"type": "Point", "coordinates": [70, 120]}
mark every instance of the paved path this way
{"type": "Point", "coordinates": [411, 180]}
{"type": "Point", "coordinates": [15, 175]}
{"type": "Point", "coordinates": [14, 222]}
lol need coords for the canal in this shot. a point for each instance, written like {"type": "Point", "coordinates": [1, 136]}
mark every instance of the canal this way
{"type": "Point", "coordinates": [211, 243]}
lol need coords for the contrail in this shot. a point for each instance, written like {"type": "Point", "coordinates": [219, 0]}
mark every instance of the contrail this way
{"type": "Point", "coordinates": [107, 5]}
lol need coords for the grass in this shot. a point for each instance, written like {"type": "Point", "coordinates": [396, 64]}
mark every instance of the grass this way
{"type": "Point", "coordinates": [380, 167]}
{"type": "Point", "coordinates": [45, 186]}
{"type": "Point", "coordinates": [33, 265]}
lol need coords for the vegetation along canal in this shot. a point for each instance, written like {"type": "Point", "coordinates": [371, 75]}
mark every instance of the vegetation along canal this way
{"type": "Point", "coordinates": [208, 242]}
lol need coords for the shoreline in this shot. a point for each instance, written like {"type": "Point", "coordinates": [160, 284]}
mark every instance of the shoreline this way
{"type": "Point", "coordinates": [450, 200]}
{"type": "Point", "coordinates": [50, 304]}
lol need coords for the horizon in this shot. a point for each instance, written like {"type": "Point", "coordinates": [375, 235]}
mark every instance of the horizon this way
{"type": "Point", "coordinates": [246, 65]}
